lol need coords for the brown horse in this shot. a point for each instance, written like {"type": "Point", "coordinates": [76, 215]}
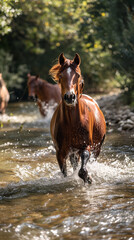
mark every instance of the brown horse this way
{"type": "Point", "coordinates": [4, 95]}
{"type": "Point", "coordinates": [78, 125]}
{"type": "Point", "coordinates": [47, 93]}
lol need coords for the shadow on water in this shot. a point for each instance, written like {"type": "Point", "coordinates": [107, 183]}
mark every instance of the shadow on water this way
{"type": "Point", "coordinates": [41, 186]}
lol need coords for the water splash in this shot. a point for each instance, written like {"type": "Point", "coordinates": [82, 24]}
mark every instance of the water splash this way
{"type": "Point", "coordinates": [114, 173]}
{"type": "Point", "coordinates": [32, 156]}
{"type": "Point", "coordinates": [49, 110]}
{"type": "Point", "coordinates": [33, 118]}
{"type": "Point", "coordinates": [101, 173]}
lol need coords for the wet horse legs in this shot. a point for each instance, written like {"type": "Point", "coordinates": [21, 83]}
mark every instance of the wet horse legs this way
{"type": "Point", "coordinates": [62, 163]}
{"type": "Point", "coordinates": [74, 161]}
{"type": "Point", "coordinates": [83, 173]}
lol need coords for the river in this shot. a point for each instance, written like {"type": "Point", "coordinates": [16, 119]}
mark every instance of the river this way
{"type": "Point", "coordinates": [38, 203]}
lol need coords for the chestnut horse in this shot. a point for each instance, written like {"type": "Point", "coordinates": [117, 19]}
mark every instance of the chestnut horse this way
{"type": "Point", "coordinates": [4, 95]}
{"type": "Point", "coordinates": [78, 125]}
{"type": "Point", "coordinates": [47, 93]}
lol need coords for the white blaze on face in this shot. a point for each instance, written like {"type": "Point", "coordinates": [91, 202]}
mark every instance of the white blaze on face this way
{"type": "Point", "coordinates": [70, 87]}
{"type": "Point", "coordinates": [69, 71]}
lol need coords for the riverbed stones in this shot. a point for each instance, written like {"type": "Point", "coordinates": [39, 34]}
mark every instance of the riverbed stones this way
{"type": "Point", "coordinates": [117, 115]}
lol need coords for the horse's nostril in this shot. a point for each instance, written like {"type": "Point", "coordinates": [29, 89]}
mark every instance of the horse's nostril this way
{"type": "Point", "coordinates": [73, 96]}
{"type": "Point", "coordinates": [65, 97]}
{"type": "Point", "coordinates": [69, 97]}
{"type": "Point", "coordinates": [32, 98]}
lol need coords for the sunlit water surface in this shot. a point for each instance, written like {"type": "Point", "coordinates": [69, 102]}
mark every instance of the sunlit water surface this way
{"type": "Point", "coordinates": [37, 203]}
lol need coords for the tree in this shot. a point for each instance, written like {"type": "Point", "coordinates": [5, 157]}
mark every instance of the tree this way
{"type": "Point", "coordinates": [7, 13]}
{"type": "Point", "coordinates": [101, 31]}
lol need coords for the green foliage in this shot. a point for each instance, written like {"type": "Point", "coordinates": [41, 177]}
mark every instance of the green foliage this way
{"type": "Point", "coordinates": [34, 33]}
{"type": "Point", "coordinates": [118, 32]}
{"type": "Point", "coordinates": [7, 13]}
{"type": "Point", "coordinates": [123, 81]}
{"type": "Point", "coordinates": [12, 76]}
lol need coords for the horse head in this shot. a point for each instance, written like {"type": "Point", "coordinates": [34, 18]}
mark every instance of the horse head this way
{"type": "Point", "coordinates": [32, 84]}
{"type": "Point", "coordinates": [68, 74]}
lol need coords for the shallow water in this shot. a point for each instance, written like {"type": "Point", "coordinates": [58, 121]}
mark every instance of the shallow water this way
{"type": "Point", "coordinates": [36, 202]}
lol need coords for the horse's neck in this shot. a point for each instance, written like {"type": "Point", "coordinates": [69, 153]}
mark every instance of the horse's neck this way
{"type": "Point", "coordinates": [41, 85]}
{"type": "Point", "coordinates": [70, 114]}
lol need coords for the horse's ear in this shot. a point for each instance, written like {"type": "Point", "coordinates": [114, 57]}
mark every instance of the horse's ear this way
{"type": "Point", "coordinates": [61, 59]}
{"type": "Point", "coordinates": [0, 74]}
{"type": "Point", "coordinates": [77, 59]}
{"type": "Point", "coordinates": [37, 76]}
{"type": "Point", "coordinates": [28, 75]}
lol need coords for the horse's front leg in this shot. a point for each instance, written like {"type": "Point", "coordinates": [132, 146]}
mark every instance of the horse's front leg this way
{"type": "Point", "coordinates": [74, 161]}
{"type": "Point", "coordinates": [83, 173]}
{"type": "Point", "coordinates": [42, 109]}
{"type": "Point", "coordinates": [62, 163]}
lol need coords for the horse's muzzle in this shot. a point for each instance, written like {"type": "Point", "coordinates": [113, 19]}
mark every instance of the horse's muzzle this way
{"type": "Point", "coordinates": [70, 98]}
{"type": "Point", "coordinates": [32, 98]}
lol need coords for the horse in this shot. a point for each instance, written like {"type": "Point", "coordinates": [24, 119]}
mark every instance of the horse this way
{"type": "Point", "coordinates": [47, 93]}
{"type": "Point", "coordinates": [78, 125]}
{"type": "Point", "coordinates": [4, 95]}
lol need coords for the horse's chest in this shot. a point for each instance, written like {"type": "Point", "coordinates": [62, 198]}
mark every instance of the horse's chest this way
{"type": "Point", "coordinates": [80, 136]}
{"type": "Point", "coordinates": [73, 137]}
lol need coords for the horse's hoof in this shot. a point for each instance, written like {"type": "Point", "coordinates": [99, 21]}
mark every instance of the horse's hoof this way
{"type": "Point", "coordinates": [89, 180]}
{"type": "Point", "coordinates": [83, 173]}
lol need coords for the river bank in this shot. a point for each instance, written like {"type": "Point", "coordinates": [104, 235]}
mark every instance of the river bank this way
{"type": "Point", "coordinates": [118, 116]}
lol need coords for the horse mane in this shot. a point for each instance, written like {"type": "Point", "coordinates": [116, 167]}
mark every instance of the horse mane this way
{"type": "Point", "coordinates": [57, 69]}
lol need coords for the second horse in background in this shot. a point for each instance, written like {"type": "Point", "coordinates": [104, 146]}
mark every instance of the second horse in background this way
{"type": "Point", "coordinates": [47, 93]}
